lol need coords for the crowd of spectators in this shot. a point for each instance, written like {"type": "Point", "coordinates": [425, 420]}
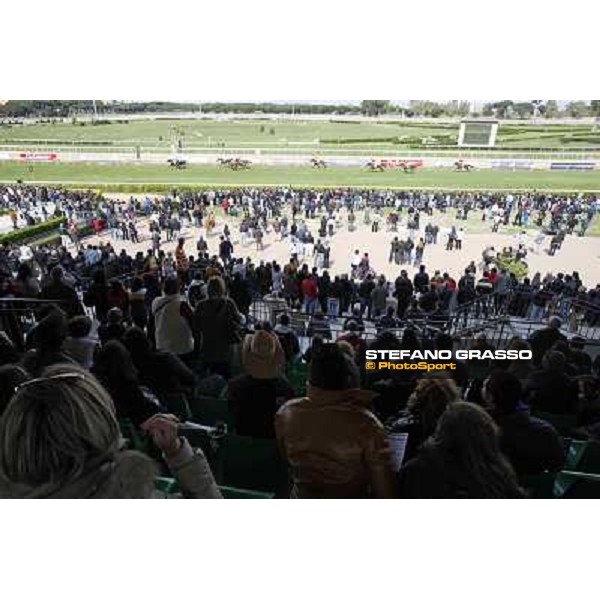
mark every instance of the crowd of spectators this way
{"type": "Point", "coordinates": [136, 340]}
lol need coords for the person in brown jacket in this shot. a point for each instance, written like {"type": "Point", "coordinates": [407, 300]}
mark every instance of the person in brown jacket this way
{"type": "Point", "coordinates": [334, 444]}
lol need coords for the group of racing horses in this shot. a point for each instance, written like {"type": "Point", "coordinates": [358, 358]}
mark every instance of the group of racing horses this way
{"type": "Point", "coordinates": [235, 164]}
{"type": "Point", "coordinates": [318, 163]}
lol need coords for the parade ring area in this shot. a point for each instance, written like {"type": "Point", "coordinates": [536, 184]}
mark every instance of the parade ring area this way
{"type": "Point", "coordinates": [580, 254]}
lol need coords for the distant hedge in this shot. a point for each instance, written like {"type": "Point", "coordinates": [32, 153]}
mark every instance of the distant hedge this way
{"type": "Point", "coordinates": [416, 141]}
{"type": "Point", "coordinates": [31, 232]}
{"type": "Point", "coordinates": [375, 140]}
{"type": "Point", "coordinates": [161, 188]}
{"type": "Point", "coordinates": [61, 143]}
{"type": "Point", "coordinates": [52, 239]}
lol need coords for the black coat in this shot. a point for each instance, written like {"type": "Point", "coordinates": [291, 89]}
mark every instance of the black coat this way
{"type": "Point", "coordinates": [552, 392]}
{"type": "Point", "coordinates": [542, 340]}
{"type": "Point", "coordinates": [254, 403]}
{"type": "Point", "coordinates": [532, 445]}
{"type": "Point", "coordinates": [65, 296]}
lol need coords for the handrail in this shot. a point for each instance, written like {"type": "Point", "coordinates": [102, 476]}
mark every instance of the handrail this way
{"type": "Point", "coordinates": [30, 300]}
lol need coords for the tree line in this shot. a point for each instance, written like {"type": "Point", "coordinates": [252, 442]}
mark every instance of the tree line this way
{"type": "Point", "coordinates": [503, 109]}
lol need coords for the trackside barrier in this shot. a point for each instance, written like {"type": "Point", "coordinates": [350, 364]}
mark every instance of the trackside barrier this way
{"type": "Point", "coordinates": [572, 166]}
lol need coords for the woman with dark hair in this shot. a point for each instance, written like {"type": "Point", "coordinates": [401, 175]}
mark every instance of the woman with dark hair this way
{"type": "Point", "coordinates": [461, 460]}
{"type": "Point", "coordinates": [334, 444]}
{"type": "Point", "coordinates": [392, 387]}
{"type": "Point", "coordinates": [427, 403]}
{"type": "Point", "coordinates": [115, 370]}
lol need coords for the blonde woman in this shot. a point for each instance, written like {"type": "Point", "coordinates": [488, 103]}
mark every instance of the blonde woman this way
{"type": "Point", "coordinates": [60, 439]}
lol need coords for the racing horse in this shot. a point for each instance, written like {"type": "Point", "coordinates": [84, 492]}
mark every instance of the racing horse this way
{"type": "Point", "coordinates": [177, 163]}
{"type": "Point", "coordinates": [407, 167]}
{"type": "Point", "coordinates": [240, 163]}
{"type": "Point", "coordinates": [461, 166]}
{"type": "Point", "coordinates": [374, 165]}
{"type": "Point", "coordinates": [234, 163]}
{"type": "Point", "coordinates": [318, 163]}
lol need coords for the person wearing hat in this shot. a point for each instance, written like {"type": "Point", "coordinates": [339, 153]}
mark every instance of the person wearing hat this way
{"type": "Point", "coordinates": [255, 396]}
{"type": "Point", "coordinates": [334, 444]}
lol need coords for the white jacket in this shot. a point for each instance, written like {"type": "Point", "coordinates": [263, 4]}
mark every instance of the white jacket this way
{"type": "Point", "coordinates": [173, 331]}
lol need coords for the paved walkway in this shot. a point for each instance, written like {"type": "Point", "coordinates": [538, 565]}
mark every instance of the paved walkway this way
{"type": "Point", "coordinates": [577, 254]}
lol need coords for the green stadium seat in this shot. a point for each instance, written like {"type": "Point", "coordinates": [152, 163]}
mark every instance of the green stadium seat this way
{"type": "Point", "coordinates": [539, 486]}
{"type": "Point", "coordinates": [574, 453]}
{"type": "Point", "coordinates": [166, 485]}
{"type": "Point", "coordinates": [230, 493]}
{"type": "Point", "coordinates": [587, 457]}
{"type": "Point", "coordinates": [573, 484]}
{"type": "Point", "coordinates": [135, 438]}
{"type": "Point", "coordinates": [297, 374]}
{"type": "Point", "coordinates": [169, 487]}
{"type": "Point", "coordinates": [251, 464]}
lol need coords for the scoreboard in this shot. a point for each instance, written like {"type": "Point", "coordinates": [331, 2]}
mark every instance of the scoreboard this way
{"type": "Point", "coordinates": [480, 133]}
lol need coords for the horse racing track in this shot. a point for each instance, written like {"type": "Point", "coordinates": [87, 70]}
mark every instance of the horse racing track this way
{"type": "Point", "coordinates": [133, 177]}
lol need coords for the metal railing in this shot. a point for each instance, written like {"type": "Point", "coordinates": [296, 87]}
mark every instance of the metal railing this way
{"type": "Point", "coordinates": [493, 314]}
{"type": "Point", "coordinates": [291, 149]}
{"type": "Point", "coordinates": [17, 317]}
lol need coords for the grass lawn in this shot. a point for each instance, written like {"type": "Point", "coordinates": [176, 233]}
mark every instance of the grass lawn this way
{"type": "Point", "coordinates": [199, 132]}
{"type": "Point", "coordinates": [147, 175]}
{"type": "Point", "coordinates": [268, 133]}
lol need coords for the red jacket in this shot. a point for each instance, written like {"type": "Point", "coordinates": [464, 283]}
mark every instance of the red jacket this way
{"type": "Point", "coordinates": [309, 288]}
{"type": "Point", "coordinates": [450, 284]}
